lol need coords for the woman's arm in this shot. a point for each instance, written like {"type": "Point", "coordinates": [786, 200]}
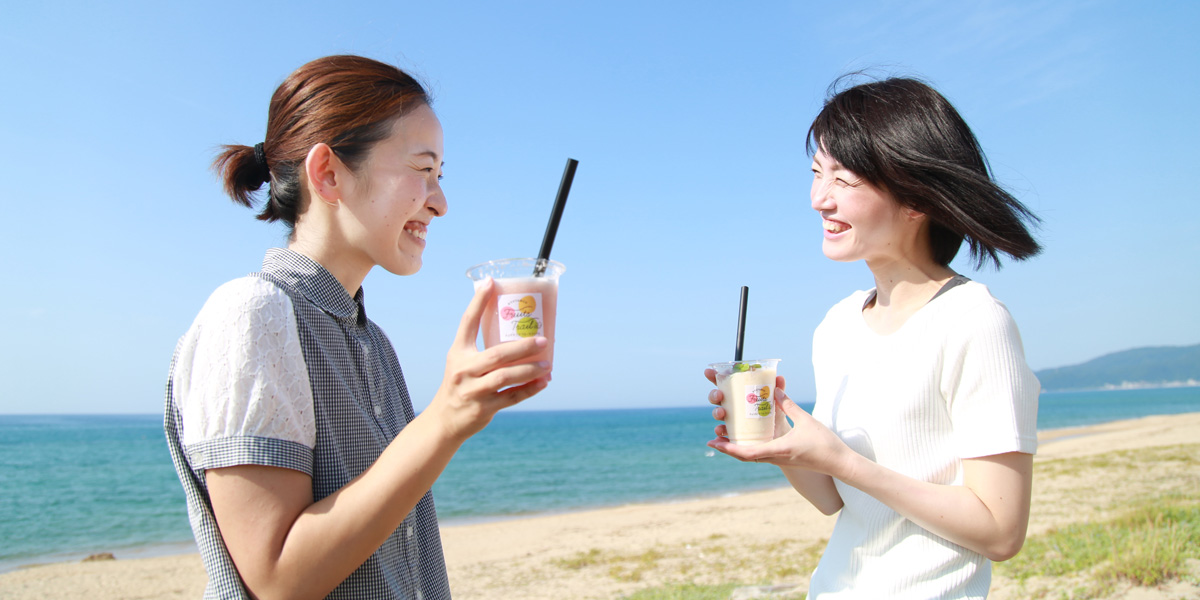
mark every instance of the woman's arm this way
{"type": "Point", "coordinates": [816, 487]}
{"type": "Point", "coordinates": [988, 513]}
{"type": "Point", "coordinates": [285, 545]}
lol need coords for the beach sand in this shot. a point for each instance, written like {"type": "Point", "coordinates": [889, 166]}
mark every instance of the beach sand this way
{"type": "Point", "coordinates": [1081, 474]}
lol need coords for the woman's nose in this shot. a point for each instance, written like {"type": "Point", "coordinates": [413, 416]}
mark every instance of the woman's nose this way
{"type": "Point", "coordinates": [820, 196]}
{"type": "Point", "coordinates": [437, 203]}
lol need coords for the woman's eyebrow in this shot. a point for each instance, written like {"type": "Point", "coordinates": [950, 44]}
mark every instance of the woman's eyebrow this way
{"type": "Point", "coordinates": [430, 154]}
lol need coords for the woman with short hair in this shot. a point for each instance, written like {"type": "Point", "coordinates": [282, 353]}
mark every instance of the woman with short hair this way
{"type": "Point", "coordinates": [925, 421]}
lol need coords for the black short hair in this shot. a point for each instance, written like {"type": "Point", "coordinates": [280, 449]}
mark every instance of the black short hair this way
{"type": "Point", "coordinates": [901, 135]}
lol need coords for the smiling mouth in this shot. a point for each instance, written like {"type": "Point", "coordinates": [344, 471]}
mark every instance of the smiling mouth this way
{"type": "Point", "coordinates": [417, 233]}
{"type": "Point", "coordinates": [835, 226]}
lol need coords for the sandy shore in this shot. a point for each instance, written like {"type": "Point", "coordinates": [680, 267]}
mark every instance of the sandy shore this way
{"type": "Point", "coordinates": [613, 552]}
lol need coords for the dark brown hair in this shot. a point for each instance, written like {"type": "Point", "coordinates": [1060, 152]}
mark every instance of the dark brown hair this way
{"type": "Point", "coordinates": [348, 102]}
{"type": "Point", "coordinates": [902, 136]}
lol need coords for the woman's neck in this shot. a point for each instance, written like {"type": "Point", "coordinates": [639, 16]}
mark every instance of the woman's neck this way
{"type": "Point", "coordinates": [901, 289]}
{"type": "Point", "coordinates": [325, 245]}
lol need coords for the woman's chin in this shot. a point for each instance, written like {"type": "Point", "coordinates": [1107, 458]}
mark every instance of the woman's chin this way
{"type": "Point", "coordinates": [407, 265]}
{"type": "Point", "coordinates": [836, 254]}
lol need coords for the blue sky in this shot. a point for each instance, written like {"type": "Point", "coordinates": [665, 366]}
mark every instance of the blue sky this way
{"type": "Point", "coordinates": [688, 121]}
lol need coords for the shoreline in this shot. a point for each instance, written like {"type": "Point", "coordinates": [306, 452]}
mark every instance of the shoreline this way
{"type": "Point", "coordinates": [507, 556]}
{"type": "Point", "coordinates": [1131, 385]}
{"type": "Point", "coordinates": [163, 549]}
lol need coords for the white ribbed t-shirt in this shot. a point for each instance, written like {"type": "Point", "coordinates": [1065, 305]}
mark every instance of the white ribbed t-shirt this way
{"type": "Point", "coordinates": [951, 383]}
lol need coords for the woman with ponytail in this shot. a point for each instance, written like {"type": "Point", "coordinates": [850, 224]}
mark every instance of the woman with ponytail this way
{"type": "Point", "coordinates": [925, 421]}
{"type": "Point", "coordinates": [306, 472]}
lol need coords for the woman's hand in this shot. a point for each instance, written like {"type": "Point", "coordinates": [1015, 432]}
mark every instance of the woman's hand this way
{"type": "Point", "coordinates": [716, 397]}
{"type": "Point", "coordinates": [807, 444]}
{"type": "Point", "coordinates": [799, 450]}
{"type": "Point", "coordinates": [478, 384]}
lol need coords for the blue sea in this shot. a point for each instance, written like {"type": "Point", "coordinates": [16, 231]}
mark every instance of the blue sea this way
{"type": "Point", "coordinates": [76, 485]}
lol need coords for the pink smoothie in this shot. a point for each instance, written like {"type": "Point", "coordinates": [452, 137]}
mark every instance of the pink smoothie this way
{"type": "Point", "coordinates": [522, 307]}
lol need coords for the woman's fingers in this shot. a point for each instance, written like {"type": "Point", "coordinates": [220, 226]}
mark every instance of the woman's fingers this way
{"type": "Point", "coordinates": [711, 376]}
{"type": "Point", "coordinates": [468, 328]}
{"type": "Point", "coordinates": [502, 355]}
{"type": "Point", "coordinates": [501, 378]}
{"type": "Point", "coordinates": [742, 453]}
{"type": "Point", "coordinates": [785, 404]}
{"type": "Point", "coordinates": [716, 397]}
{"type": "Point", "coordinates": [718, 413]}
{"type": "Point", "coordinates": [520, 393]}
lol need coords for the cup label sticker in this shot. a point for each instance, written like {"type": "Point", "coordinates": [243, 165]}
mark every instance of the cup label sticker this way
{"type": "Point", "coordinates": [758, 402]}
{"type": "Point", "coordinates": [520, 316]}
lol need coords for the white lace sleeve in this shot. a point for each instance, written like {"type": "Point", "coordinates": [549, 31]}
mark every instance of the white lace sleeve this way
{"type": "Point", "coordinates": [240, 370]}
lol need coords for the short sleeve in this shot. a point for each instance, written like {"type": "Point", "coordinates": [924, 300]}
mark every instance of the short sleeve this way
{"type": "Point", "coordinates": [991, 392]}
{"type": "Point", "coordinates": [241, 384]}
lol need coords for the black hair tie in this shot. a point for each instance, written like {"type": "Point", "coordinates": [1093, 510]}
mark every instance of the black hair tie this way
{"type": "Point", "coordinates": [260, 157]}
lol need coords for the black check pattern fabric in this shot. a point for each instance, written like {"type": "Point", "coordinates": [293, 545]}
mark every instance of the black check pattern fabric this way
{"type": "Point", "coordinates": [360, 403]}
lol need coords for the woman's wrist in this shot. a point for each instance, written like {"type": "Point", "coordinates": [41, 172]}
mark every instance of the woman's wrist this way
{"type": "Point", "coordinates": [446, 424]}
{"type": "Point", "coordinates": [844, 463]}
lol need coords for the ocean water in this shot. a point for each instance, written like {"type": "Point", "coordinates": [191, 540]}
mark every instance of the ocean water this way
{"type": "Point", "coordinates": [75, 485]}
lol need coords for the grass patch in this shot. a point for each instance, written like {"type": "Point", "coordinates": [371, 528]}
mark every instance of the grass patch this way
{"type": "Point", "coordinates": [633, 567]}
{"type": "Point", "coordinates": [622, 567]}
{"type": "Point", "coordinates": [1146, 546]}
{"type": "Point", "coordinates": [700, 568]}
{"type": "Point", "coordinates": [581, 559]}
{"type": "Point", "coordinates": [1116, 462]}
{"type": "Point", "coordinates": [685, 591]}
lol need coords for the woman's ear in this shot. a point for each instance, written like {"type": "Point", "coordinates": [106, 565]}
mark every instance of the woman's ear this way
{"type": "Point", "coordinates": [326, 174]}
{"type": "Point", "coordinates": [912, 214]}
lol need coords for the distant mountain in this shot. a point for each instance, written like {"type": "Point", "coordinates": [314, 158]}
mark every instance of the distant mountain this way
{"type": "Point", "coordinates": [1139, 367]}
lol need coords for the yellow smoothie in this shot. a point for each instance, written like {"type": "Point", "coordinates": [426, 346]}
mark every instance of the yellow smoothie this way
{"type": "Point", "coordinates": [749, 389]}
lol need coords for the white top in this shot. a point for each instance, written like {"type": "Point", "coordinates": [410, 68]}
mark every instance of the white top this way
{"type": "Point", "coordinates": [241, 370]}
{"type": "Point", "coordinates": [951, 383]}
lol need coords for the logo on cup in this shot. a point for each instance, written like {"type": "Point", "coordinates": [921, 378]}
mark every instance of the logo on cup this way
{"type": "Point", "coordinates": [527, 305]}
{"type": "Point", "coordinates": [507, 313]}
{"type": "Point", "coordinates": [527, 327]}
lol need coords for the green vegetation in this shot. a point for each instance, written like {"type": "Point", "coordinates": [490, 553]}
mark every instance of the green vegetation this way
{"type": "Point", "coordinates": [701, 569]}
{"type": "Point", "coordinates": [633, 567]}
{"type": "Point", "coordinates": [1146, 546]}
{"type": "Point", "coordinates": [686, 591]}
{"type": "Point", "coordinates": [622, 567]}
{"type": "Point", "coordinates": [1124, 463]}
{"type": "Point", "coordinates": [1144, 532]}
{"type": "Point", "coordinates": [581, 559]}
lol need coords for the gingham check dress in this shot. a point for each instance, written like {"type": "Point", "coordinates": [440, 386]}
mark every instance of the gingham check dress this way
{"type": "Point", "coordinates": [360, 403]}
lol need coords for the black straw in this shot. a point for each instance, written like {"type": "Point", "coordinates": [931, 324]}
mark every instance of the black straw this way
{"type": "Point", "coordinates": [560, 201]}
{"type": "Point", "coordinates": [737, 350]}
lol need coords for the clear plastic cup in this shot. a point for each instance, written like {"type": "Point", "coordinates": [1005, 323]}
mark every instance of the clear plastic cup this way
{"type": "Point", "coordinates": [749, 389]}
{"type": "Point", "coordinates": [524, 305]}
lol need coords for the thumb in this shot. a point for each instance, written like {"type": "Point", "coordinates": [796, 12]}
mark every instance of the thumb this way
{"type": "Point", "coordinates": [786, 405]}
{"type": "Point", "coordinates": [468, 328]}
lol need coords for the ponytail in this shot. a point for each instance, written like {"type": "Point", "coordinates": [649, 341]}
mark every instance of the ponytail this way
{"type": "Point", "coordinates": [348, 102]}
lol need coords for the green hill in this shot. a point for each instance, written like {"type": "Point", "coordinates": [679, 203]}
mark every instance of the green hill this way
{"type": "Point", "coordinates": [1156, 366]}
